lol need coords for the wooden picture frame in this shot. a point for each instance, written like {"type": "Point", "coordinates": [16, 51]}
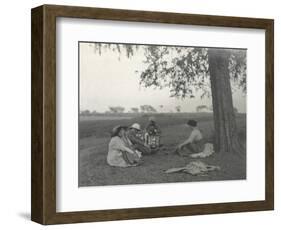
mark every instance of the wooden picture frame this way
{"type": "Point", "coordinates": [43, 189]}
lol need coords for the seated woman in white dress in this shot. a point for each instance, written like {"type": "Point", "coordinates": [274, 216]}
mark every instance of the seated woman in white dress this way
{"type": "Point", "coordinates": [120, 154]}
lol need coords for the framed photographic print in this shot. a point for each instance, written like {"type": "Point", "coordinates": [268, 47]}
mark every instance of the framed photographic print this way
{"type": "Point", "coordinates": [139, 114]}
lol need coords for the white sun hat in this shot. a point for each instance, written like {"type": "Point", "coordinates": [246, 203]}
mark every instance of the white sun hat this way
{"type": "Point", "coordinates": [136, 126]}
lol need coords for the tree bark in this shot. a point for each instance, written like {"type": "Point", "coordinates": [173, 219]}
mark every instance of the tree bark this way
{"type": "Point", "coordinates": [226, 134]}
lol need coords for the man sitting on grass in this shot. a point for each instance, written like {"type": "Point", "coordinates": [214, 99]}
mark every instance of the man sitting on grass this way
{"type": "Point", "coordinates": [133, 134]}
{"type": "Point", "coordinates": [195, 142]}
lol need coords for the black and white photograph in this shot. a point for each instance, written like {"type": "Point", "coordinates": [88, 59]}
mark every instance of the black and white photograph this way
{"type": "Point", "coordinates": [152, 113]}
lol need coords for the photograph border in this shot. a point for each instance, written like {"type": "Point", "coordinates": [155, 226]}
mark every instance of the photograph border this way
{"type": "Point", "coordinates": [43, 114]}
{"type": "Point", "coordinates": [124, 43]}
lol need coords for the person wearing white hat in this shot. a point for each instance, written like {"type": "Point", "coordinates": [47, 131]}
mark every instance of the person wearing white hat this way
{"type": "Point", "coordinates": [136, 126]}
{"type": "Point", "coordinates": [133, 134]}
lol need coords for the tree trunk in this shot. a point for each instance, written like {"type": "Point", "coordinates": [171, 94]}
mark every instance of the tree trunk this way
{"type": "Point", "coordinates": [226, 134]}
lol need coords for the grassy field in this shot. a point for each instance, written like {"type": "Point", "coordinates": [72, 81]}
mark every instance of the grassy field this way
{"type": "Point", "coordinates": [94, 133]}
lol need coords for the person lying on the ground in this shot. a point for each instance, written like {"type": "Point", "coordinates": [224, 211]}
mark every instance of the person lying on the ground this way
{"type": "Point", "coordinates": [133, 134]}
{"type": "Point", "coordinates": [194, 143]}
{"type": "Point", "coordinates": [119, 154]}
{"type": "Point", "coordinates": [152, 134]}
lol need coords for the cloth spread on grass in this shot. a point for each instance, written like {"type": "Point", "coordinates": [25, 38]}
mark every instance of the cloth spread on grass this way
{"type": "Point", "coordinates": [208, 151]}
{"type": "Point", "coordinates": [194, 168]}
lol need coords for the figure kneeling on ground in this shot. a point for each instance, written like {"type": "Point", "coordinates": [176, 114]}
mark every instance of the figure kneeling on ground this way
{"type": "Point", "coordinates": [152, 135]}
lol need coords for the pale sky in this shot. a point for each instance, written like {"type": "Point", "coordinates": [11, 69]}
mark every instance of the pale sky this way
{"type": "Point", "coordinates": [107, 81]}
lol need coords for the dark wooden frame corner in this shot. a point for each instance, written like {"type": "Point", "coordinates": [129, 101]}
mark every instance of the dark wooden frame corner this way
{"type": "Point", "coordinates": [43, 160]}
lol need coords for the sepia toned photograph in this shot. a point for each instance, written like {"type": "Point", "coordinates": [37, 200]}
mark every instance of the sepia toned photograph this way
{"type": "Point", "coordinates": [160, 113]}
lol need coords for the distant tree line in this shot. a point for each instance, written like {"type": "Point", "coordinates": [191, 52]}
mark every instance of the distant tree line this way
{"type": "Point", "coordinates": [146, 109]}
{"type": "Point", "coordinates": [121, 109]}
{"type": "Point", "coordinates": [87, 112]}
{"type": "Point", "coordinates": [205, 108]}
